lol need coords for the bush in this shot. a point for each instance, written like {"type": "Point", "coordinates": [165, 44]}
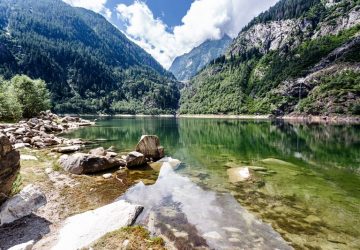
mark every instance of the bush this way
{"type": "Point", "coordinates": [33, 95]}
{"type": "Point", "coordinates": [22, 97]}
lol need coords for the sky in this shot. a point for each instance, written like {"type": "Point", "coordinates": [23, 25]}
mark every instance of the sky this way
{"type": "Point", "coordinates": [170, 28]}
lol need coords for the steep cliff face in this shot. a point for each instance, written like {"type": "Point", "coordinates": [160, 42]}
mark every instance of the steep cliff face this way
{"type": "Point", "coordinates": [305, 64]}
{"type": "Point", "coordinates": [186, 66]}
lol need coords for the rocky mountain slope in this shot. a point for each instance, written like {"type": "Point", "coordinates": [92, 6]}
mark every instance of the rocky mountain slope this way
{"type": "Point", "coordinates": [88, 64]}
{"type": "Point", "coordinates": [186, 66]}
{"type": "Point", "coordinates": [299, 57]}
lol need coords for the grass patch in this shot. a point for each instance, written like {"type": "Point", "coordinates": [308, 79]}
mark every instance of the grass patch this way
{"type": "Point", "coordinates": [137, 236]}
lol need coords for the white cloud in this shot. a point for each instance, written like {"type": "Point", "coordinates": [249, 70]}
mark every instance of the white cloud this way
{"type": "Point", "coordinates": [206, 19]}
{"type": "Point", "coordinates": [94, 5]}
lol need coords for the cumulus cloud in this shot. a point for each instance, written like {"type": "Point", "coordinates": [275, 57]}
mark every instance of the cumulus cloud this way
{"type": "Point", "coordinates": [206, 19]}
{"type": "Point", "coordinates": [94, 5]}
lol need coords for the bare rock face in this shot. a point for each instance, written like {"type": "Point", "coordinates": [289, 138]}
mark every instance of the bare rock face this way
{"type": "Point", "coordinates": [149, 146]}
{"type": "Point", "coordinates": [23, 204]}
{"type": "Point", "coordinates": [9, 166]}
{"type": "Point", "coordinates": [80, 163]}
{"type": "Point", "coordinates": [135, 159]}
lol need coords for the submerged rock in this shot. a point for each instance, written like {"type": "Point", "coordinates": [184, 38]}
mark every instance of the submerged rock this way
{"type": "Point", "coordinates": [80, 163]}
{"type": "Point", "coordinates": [23, 204]}
{"type": "Point", "coordinates": [9, 166]}
{"type": "Point", "coordinates": [135, 159]}
{"type": "Point", "coordinates": [174, 163]}
{"type": "Point", "coordinates": [149, 145]}
{"type": "Point", "coordinates": [81, 230]}
{"type": "Point", "coordinates": [238, 174]}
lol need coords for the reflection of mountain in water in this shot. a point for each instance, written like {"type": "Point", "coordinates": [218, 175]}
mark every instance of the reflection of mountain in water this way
{"type": "Point", "coordinates": [195, 218]}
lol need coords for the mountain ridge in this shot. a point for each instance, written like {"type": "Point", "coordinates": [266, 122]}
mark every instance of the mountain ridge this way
{"type": "Point", "coordinates": [186, 66]}
{"type": "Point", "coordinates": [272, 67]}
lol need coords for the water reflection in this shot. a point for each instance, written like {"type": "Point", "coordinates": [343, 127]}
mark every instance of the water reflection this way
{"type": "Point", "coordinates": [190, 215]}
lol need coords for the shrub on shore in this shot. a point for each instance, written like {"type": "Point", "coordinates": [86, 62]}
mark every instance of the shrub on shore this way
{"type": "Point", "coordinates": [22, 97]}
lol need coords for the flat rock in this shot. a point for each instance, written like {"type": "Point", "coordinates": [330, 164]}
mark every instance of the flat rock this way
{"type": "Point", "coordinates": [21, 145]}
{"type": "Point", "coordinates": [83, 229]}
{"type": "Point", "coordinates": [23, 204]}
{"type": "Point", "coordinates": [98, 151]}
{"type": "Point", "coordinates": [28, 158]}
{"type": "Point", "coordinates": [67, 150]}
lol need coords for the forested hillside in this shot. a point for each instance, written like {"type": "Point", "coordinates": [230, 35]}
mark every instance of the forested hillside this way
{"type": "Point", "coordinates": [89, 66]}
{"type": "Point", "coordinates": [300, 57]}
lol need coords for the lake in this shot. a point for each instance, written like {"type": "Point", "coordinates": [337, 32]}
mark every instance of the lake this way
{"type": "Point", "coordinates": [306, 184]}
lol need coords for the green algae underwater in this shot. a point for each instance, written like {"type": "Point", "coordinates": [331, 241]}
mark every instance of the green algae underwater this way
{"type": "Point", "coordinates": [305, 177]}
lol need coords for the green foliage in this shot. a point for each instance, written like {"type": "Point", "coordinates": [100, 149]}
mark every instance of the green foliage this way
{"type": "Point", "coordinates": [32, 95]}
{"type": "Point", "coordinates": [22, 97]}
{"type": "Point", "coordinates": [86, 62]}
{"type": "Point", "coordinates": [10, 108]}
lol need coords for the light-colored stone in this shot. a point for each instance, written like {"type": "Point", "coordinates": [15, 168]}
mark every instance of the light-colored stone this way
{"type": "Point", "coordinates": [26, 202]}
{"type": "Point", "coordinates": [28, 158]}
{"type": "Point", "coordinates": [67, 150]}
{"type": "Point", "coordinates": [98, 151]}
{"type": "Point", "coordinates": [24, 246]}
{"type": "Point", "coordinates": [21, 145]}
{"type": "Point", "coordinates": [83, 229]}
{"type": "Point", "coordinates": [238, 174]}
{"type": "Point", "coordinates": [212, 235]}
{"type": "Point", "coordinates": [174, 163]}
{"type": "Point", "coordinates": [107, 176]}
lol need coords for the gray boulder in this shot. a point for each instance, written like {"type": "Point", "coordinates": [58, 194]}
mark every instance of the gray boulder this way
{"type": "Point", "coordinates": [9, 167]}
{"type": "Point", "coordinates": [80, 163]}
{"type": "Point", "coordinates": [98, 151]}
{"type": "Point", "coordinates": [135, 159]}
{"type": "Point", "coordinates": [149, 145]}
{"type": "Point", "coordinates": [23, 204]}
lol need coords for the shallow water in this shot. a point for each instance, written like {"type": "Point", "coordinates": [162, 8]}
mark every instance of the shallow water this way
{"type": "Point", "coordinates": [308, 189]}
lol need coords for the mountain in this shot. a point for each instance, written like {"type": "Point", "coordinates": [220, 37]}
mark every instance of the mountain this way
{"type": "Point", "coordinates": [186, 66]}
{"type": "Point", "coordinates": [299, 57]}
{"type": "Point", "coordinates": [88, 64]}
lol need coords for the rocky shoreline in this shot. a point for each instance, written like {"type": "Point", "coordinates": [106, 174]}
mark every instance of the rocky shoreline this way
{"type": "Point", "coordinates": [66, 166]}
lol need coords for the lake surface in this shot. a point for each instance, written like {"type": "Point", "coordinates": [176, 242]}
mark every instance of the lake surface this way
{"type": "Point", "coordinates": [308, 188]}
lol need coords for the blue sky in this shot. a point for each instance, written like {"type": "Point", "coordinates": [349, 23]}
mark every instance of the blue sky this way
{"type": "Point", "coordinates": [169, 11]}
{"type": "Point", "coordinates": [170, 28]}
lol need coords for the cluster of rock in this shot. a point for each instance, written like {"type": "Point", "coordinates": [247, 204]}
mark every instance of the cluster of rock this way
{"type": "Point", "coordinates": [147, 151]}
{"type": "Point", "coordinates": [40, 132]}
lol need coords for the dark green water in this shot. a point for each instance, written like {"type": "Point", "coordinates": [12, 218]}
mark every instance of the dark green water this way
{"type": "Point", "coordinates": [310, 192]}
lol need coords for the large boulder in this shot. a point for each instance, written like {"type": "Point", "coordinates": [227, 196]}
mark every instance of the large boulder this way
{"type": "Point", "coordinates": [135, 159]}
{"type": "Point", "coordinates": [79, 231]}
{"type": "Point", "coordinates": [80, 163]}
{"type": "Point", "coordinates": [23, 204]}
{"type": "Point", "coordinates": [149, 145]}
{"type": "Point", "coordinates": [9, 167]}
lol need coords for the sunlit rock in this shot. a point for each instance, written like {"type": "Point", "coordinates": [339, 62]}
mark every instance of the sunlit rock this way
{"type": "Point", "coordinates": [83, 229]}
{"type": "Point", "coordinates": [174, 163]}
{"type": "Point", "coordinates": [238, 174]}
{"type": "Point", "coordinates": [26, 202]}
